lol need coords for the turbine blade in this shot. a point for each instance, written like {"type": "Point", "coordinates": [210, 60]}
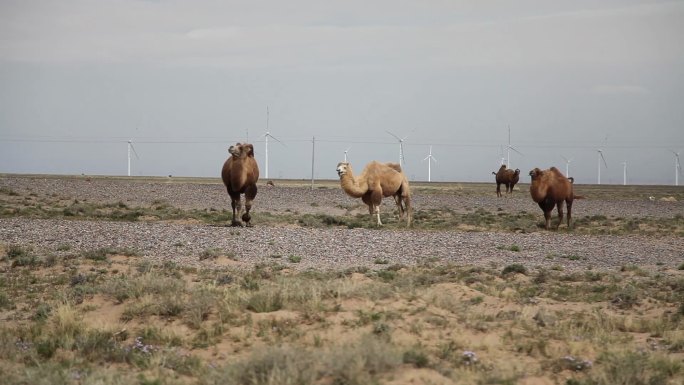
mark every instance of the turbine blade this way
{"type": "Point", "coordinates": [399, 139]}
{"type": "Point", "coordinates": [134, 152]}
{"type": "Point", "coordinates": [276, 139]}
{"type": "Point", "coordinates": [433, 159]}
{"type": "Point", "coordinates": [604, 159]}
{"type": "Point", "coordinates": [407, 135]}
{"type": "Point", "coordinates": [513, 148]}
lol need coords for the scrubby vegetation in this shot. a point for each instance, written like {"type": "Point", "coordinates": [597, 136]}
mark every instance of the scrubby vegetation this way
{"type": "Point", "coordinates": [107, 316]}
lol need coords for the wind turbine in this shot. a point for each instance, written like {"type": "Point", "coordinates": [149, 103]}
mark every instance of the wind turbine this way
{"type": "Point", "coordinates": [430, 159]}
{"type": "Point", "coordinates": [567, 165]}
{"type": "Point", "coordinates": [600, 158]}
{"type": "Point", "coordinates": [678, 167]}
{"type": "Point", "coordinates": [624, 173]}
{"type": "Point", "coordinates": [266, 136]}
{"type": "Point", "coordinates": [509, 148]}
{"type": "Point", "coordinates": [503, 160]}
{"type": "Point", "coordinates": [131, 148]}
{"type": "Point", "coordinates": [345, 154]}
{"type": "Point", "coordinates": [401, 146]}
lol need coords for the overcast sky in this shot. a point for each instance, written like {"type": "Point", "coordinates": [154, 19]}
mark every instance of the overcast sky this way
{"type": "Point", "coordinates": [185, 79]}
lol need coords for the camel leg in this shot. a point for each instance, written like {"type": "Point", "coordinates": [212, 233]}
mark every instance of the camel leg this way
{"type": "Point", "coordinates": [400, 207]}
{"type": "Point", "coordinates": [569, 205]}
{"type": "Point", "coordinates": [236, 203]}
{"type": "Point", "coordinates": [250, 194]}
{"type": "Point", "coordinates": [409, 214]}
{"type": "Point", "coordinates": [376, 198]}
{"type": "Point", "coordinates": [560, 213]}
{"type": "Point", "coordinates": [498, 189]}
{"type": "Point", "coordinates": [547, 206]}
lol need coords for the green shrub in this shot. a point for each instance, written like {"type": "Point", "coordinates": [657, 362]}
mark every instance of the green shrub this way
{"type": "Point", "coordinates": [515, 268]}
{"type": "Point", "coordinates": [416, 357]}
{"type": "Point", "coordinates": [265, 301]}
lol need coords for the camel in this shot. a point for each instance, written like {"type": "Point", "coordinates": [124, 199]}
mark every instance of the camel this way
{"type": "Point", "coordinates": [378, 180]}
{"type": "Point", "coordinates": [507, 177]}
{"type": "Point", "coordinates": [551, 188]}
{"type": "Point", "coordinates": [240, 174]}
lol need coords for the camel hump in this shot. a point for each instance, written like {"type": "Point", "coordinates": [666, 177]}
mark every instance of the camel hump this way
{"type": "Point", "coordinates": [394, 166]}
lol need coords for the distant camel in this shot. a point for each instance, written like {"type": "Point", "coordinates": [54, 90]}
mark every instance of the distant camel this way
{"type": "Point", "coordinates": [377, 180]}
{"type": "Point", "coordinates": [240, 174]}
{"type": "Point", "coordinates": [507, 177]}
{"type": "Point", "coordinates": [551, 188]}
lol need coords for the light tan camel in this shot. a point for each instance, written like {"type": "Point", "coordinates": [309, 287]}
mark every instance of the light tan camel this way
{"type": "Point", "coordinates": [378, 180]}
{"type": "Point", "coordinates": [551, 188]}
{"type": "Point", "coordinates": [240, 174]}
{"type": "Point", "coordinates": [507, 177]}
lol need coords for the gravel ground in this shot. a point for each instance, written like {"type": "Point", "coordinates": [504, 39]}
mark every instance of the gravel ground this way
{"type": "Point", "coordinates": [331, 248]}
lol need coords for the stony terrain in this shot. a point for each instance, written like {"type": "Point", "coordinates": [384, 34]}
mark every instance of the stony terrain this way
{"type": "Point", "coordinates": [336, 248]}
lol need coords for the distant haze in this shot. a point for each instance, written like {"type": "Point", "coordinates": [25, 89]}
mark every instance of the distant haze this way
{"type": "Point", "coordinates": [183, 80]}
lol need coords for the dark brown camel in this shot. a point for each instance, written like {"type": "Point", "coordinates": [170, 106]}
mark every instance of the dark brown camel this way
{"type": "Point", "coordinates": [551, 188]}
{"type": "Point", "coordinates": [240, 174]}
{"type": "Point", "coordinates": [507, 177]}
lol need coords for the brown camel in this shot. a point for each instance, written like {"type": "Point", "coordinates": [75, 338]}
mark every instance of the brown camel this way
{"type": "Point", "coordinates": [551, 188]}
{"type": "Point", "coordinates": [240, 174]}
{"type": "Point", "coordinates": [507, 177]}
{"type": "Point", "coordinates": [378, 180]}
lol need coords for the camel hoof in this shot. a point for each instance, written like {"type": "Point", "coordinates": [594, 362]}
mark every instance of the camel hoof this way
{"type": "Point", "coordinates": [236, 224]}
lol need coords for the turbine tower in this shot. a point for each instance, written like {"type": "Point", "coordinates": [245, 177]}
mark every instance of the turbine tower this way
{"type": "Point", "coordinates": [266, 136]}
{"type": "Point", "coordinates": [567, 166]}
{"type": "Point", "coordinates": [509, 148]}
{"type": "Point", "coordinates": [624, 173]}
{"type": "Point", "coordinates": [678, 167]}
{"type": "Point", "coordinates": [345, 154]}
{"type": "Point", "coordinates": [430, 159]}
{"type": "Point", "coordinates": [401, 146]}
{"type": "Point", "coordinates": [131, 148]}
{"type": "Point", "coordinates": [600, 158]}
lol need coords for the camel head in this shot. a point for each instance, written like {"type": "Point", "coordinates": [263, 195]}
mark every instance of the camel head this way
{"type": "Point", "coordinates": [517, 171]}
{"type": "Point", "coordinates": [536, 173]}
{"type": "Point", "coordinates": [241, 150]}
{"type": "Point", "coordinates": [343, 168]}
